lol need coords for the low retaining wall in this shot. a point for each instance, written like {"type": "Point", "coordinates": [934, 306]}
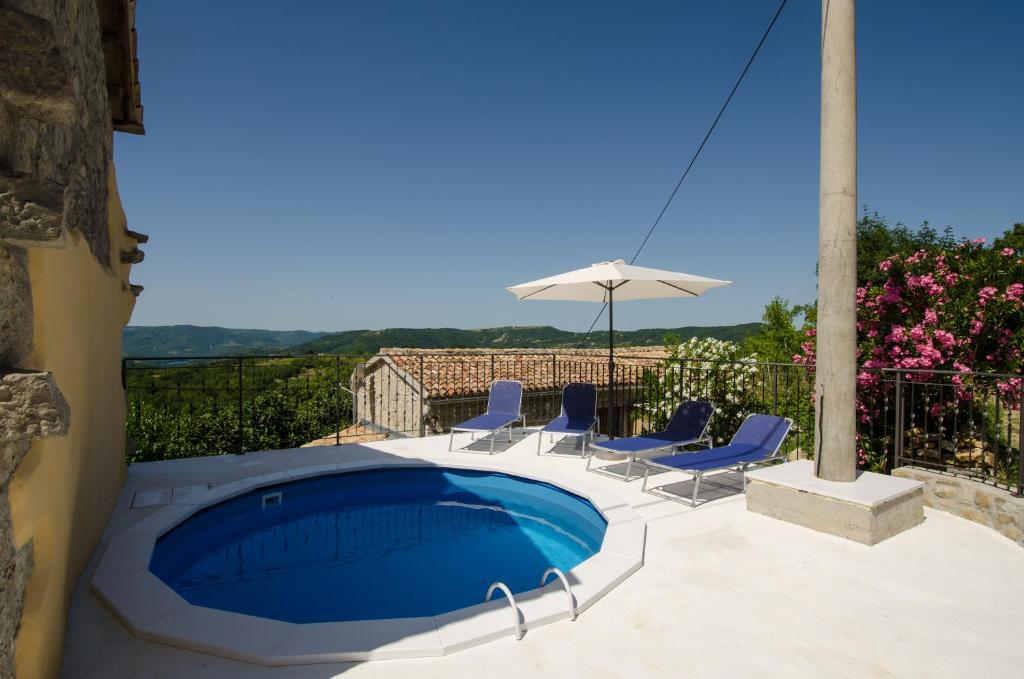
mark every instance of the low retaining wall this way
{"type": "Point", "coordinates": [984, 504]}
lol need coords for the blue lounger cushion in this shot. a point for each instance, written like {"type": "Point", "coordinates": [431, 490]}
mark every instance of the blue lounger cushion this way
{"type": "Point", "coordinates": [638, 444]}
{"type": "Point", "coordinates": [565, 425]}
{"type": "Point", "coordinates": [579, 410]}
{"type": "Point", "coordinates": [757, 439]}
{"type": "Point", "coordinates": [505, 396]}
{"type": "Point", "coordinates": [689, 423]}
{"type": "Point", "coordinates": [487, 422]}
{"type": "Point", "coordinates": [712, 458]}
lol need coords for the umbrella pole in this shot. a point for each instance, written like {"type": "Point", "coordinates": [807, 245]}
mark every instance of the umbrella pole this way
{"type": "Point", "coordinates": [611, 363]}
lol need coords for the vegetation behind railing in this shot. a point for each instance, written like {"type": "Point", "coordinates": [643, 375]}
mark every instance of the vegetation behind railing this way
{"type": "Point", "coordinates": [209, 406]}
{"type": "Point", "coordinates": [968, 424]}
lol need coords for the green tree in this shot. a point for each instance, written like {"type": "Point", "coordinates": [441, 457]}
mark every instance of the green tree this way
{"type": "Point", "coordinates": [877, 240]}
{"type": "Point", "coordinates": [779, 338]}
{"type": "Point", "coordinates": [1012, 238]}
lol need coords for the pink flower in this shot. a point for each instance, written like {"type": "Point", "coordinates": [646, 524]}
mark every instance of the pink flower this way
{"type": "Point", "coordinates": [917, 333]}
{"type": "Point", "coordinates": [985, 294]}
{"type": "Point", "coordinates": [1010, 390]}
{"type": "Point", "coordinates": [930, 317]}
{"type": "Point", "coordinates": [867, 379]}
{"type": "Point", "coordinates": [1007, 252]}
{"type": "Point", "coordinates": [945, 338]}
{"type": "Point", "coordinates": [1015, 292]}
{"type": "Point", "coordinates": [936, 409]}
{"type": "Point", "coordinates": [885, 265]}
{"type": "Point", "coordinates": [978, 241]}
{"type": "Point", "coordinates": [976, 326]}
{"type": "Point", "coordinates": [893, 294]}
{"type": "Point", "coordinates": [929, 353]}
{"type": "Point", "coordinates": [927, 282]}
{"type": "Point", "coordinates": [896, 334]}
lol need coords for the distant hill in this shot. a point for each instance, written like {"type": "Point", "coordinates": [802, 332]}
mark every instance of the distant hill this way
{"type": "Point", "coordinates": [536, 337]}
{"type": "Point", "coordinates": [183, 341]}
{"type": "Point", "coordinates": [192, 340]}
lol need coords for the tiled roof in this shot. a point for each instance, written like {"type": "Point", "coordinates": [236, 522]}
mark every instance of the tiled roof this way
{"type": "Point", "coordinates": [448, 373]}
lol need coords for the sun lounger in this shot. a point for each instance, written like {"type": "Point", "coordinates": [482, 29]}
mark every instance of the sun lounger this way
{"type": "Point", "coordinates": [757, 441]}
{"type": "Point", "coordinates": [578, 417]}
{"type": "Point", "coordinates": [504, 408]}
{"type": "Point", "coordinates": [689, 425]}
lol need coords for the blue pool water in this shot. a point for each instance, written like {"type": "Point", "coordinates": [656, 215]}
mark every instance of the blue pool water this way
{"type": "Point", "coordinates": [384, 543]}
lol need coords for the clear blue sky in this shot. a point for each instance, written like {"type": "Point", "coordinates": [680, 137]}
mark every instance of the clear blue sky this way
{"type": "Point", "coordinates": [342, 165]}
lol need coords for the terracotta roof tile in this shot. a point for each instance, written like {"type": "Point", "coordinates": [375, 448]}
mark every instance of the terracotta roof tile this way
{"type": "Point", "coordinates": [449, 373]}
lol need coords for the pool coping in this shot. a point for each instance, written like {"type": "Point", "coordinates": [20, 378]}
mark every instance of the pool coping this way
{"type": "Point", "coordinates": [154, 611]}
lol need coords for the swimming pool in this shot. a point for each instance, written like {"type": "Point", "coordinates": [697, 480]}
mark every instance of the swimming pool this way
{"type": "Point", "coordinates": [382, 543]}
{"type": "Point", "coordinates": [272, 569]}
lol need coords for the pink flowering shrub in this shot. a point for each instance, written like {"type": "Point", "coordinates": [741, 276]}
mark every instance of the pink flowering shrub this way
{"type": "Point", "coordinates": [958, 308]}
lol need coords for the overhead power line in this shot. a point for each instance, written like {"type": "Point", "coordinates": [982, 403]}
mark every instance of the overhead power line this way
{"type": "Point", "coordinates": [696, 155]}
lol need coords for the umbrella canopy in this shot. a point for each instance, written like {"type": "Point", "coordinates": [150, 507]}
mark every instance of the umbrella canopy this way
{"type": "Point", "coordinates": [593, 284]}
{"type": "Point", "coordinates": [610, 281]}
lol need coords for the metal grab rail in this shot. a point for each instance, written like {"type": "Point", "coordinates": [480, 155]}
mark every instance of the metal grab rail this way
{"type": "Point", "coordinates": [565, 583]}
{"type": "Point", "coordinates": [511, 599]}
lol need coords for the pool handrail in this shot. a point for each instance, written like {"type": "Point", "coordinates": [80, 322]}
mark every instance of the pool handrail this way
{"type": "Point", "coordinates": [512, 600]}
{"type": "Point", "coordinates": [565, 583]}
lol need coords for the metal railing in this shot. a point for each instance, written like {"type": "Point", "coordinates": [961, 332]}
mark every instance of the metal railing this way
{"type": "Point", "coordinates": [965, 423]}
{"type": "Point", "coordinates": [961, 423]}
{"type": "Point", "coordinates": [211, 405]}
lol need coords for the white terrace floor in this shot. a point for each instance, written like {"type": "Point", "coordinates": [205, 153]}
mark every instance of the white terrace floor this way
{"type": "Point", "coordinates": [723, 592]}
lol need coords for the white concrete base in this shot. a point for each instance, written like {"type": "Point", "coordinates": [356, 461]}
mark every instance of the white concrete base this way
{"type": "Point", "coordinates": [871, 509]}
{"type": "Point", "coordinates": [153, 611]}
{"type": "Point", "coordinates": [722, 593]}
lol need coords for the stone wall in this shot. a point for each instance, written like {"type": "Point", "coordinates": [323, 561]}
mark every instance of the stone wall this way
{"type": "Point", "coordinates": [973, 500]}
{"type": "Point", "coordinates": [65, 256]}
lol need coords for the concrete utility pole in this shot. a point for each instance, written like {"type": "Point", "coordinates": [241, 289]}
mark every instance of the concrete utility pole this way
{"type": "Point", "coordinates": [836, 376]}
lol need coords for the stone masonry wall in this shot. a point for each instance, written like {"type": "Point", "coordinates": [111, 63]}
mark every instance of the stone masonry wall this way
{"type": "Point", "coordinates": [984, 504]}
{"type": "Point", "coordinates": [55, 150]}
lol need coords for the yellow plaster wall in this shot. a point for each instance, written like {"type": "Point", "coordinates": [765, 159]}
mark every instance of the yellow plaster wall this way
{"type": "Point", "coordinates": [64, 490]}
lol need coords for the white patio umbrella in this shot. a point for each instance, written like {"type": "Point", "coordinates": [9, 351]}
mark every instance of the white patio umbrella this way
{"type": "Point", "coordinates": [610, 281]}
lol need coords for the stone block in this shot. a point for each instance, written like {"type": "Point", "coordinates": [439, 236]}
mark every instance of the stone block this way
{"type": "Point", "coordinates": [11, 453]}
{"type": "Point", "coordinates": [34, 76]}
{"type": "Point", "coordinates": [15, 563]}
{"type": "Point", "coordinates": [972, 500]}
{"type": "Point", "coordinates": [15, 306]}
{"type": "Point", "coordinates": [869, 510]}
{"type": "Point", "coordinates": [974, 515]}
{"type": "Point", "coordinates": [1013, 533]}
{"type": "Point", "coordinates": [31, 208]}
{"type": "Point", "coordinates": [31, 406]}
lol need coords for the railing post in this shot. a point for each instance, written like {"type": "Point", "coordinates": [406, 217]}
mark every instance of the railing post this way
{"type": "Point", "coordinates": [241, 431]}
{"type": "Point", "coordinates": [423, 387]}
{"type": "Point", "coordinates": [1020, 442]}
{"type": "Point", "coordinates": [554, 376]}
{"type": "Point", "coordinates": [775, 389]}
{"type": "Point", "coordinates": [898, 447]}
{"type": "Point", "coordinates": [337, 400]}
